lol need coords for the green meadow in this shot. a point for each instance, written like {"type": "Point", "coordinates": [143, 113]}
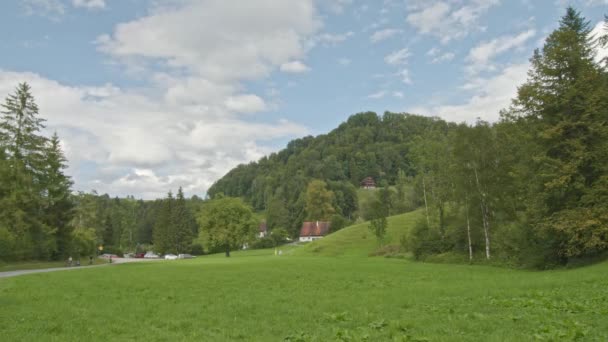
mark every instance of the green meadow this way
{"type": "Point", "coordinates": [329, 290]}
{"type": "Point", "coordinates": [267, 298]}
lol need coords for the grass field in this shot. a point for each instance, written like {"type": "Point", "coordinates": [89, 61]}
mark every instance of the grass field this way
{"type": "Point", "coordinates": [329, 290]}
{"type": "Point", "coordinates": [257, 296]}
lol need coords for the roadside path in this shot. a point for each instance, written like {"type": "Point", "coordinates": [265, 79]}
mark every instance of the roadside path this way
{"type": "Point", "coordinates": [115, 261]}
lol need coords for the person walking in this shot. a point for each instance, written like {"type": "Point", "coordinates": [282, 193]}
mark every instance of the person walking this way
{"type": "Point", "coordinates": [70, 261]}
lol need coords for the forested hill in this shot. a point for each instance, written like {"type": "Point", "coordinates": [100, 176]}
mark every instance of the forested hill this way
{"type": "Point", "coordinates": [365, 145]}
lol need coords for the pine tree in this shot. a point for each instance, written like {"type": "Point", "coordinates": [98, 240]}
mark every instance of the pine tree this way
{"type": "Point", "coordinates": [181, 227]}
{"type": "Point", "coordinates": [58, 204]}
{"type": "Point", "coordinates": [565, 99]}
{"type": "Point", "coordinates": [23, 148]}
{"type": "Point", "coordinates": [163, 241]}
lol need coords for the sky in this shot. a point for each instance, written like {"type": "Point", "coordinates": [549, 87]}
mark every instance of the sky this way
{"type": "Point", "coordinates": [149, 95]}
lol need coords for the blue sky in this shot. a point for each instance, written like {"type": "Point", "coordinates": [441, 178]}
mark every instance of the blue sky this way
{"type": "Point", "coordinates": [150, 95]}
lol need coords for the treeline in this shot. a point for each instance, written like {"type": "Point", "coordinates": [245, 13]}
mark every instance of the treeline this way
{"type": "Point", "coordinates": [531, 189]}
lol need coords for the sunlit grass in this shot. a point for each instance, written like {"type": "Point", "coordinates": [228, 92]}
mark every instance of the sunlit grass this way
{"type": "Point", "coordinates": [255, 295]}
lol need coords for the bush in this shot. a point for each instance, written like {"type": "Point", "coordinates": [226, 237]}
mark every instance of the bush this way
{"type": "Point", "coordinates": [197, 249]}
{"type": "Point", "coordinates": [425, 241]}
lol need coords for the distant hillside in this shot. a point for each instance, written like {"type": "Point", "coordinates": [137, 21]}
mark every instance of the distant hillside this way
{"type": "Point", "coordinates": [365, 145]}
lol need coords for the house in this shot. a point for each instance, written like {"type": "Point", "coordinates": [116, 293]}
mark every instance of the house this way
{"type": "Point", "coordinates": [368, 183]}
{"type": "Point", "coordinates": [263, 230]}
{"type": "Point", "coordinates": [313, 230]}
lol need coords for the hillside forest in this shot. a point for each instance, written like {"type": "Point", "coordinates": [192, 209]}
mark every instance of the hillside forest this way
{"type": "Point", "coordinates": [530, 190]}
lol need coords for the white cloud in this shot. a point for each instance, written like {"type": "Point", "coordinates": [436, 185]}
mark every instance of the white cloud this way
{"type": "Point", "coordinates": [398, 94]}
{"type": "Point", "coordinates": [438, 57]}
{"type": "Point", "coordinates": [398, 57]}
{"type": "Point", "coordinates": [118, 131]}
{"type": "Point", "coordinates": [447, 20]}
{"type": "Point", "coordinates": [377, 95]}
{"type": "Point", "coordinates": [480, 57]}
{"type": "Point", "coordinates": [489, 96]}
{"type": "Point", "coordinates": [218, 40]}
{"type": "Point", "coordinates": [598, 31]}
{"type": "Point", "coordinates": [245, 103]}
{"type": "Point", "coordinates": [294, 67]}
{"type": "Point", "coordinates": [384, 34]}
{"type": "Point", "coordinates": [89, 4]}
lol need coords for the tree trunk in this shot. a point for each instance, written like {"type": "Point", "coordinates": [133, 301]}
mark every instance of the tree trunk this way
{"type": "Point", "coordinates": [468, 229]}
{"type": "Point", "coordinates": [426, 206]}
{"type": "Point", "coordinates": [227, 251]}
{"type": "Point", "coordinates": [484, 215]}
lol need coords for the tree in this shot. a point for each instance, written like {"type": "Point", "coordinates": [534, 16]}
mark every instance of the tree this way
{"type": "Point", "coordinates": [58, 206]}
{"type": "Point", "coordinates": [226, 224]}
{"type": "Point", "coordinates": [565, 99]}
{"type": "Point", "coordinates": [319, 201]}
{"type": "Point", "coordinates": [163, 241]}
{"type": "Point", "coordinates": [380, 210]}
{"type": "Point", "coordinates": [181, 228]}
{"type": "Point", "coordinates": [23, 150]}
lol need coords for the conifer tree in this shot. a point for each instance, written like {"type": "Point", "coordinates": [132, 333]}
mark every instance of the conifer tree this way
{"type": "Point", "coordinates": [58, 206]}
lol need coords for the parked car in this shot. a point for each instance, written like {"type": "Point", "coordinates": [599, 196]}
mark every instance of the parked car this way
{"type": "Point", "coordinates": [109, 256]}
{"type": "Point", "coordinates": [140, 255]}
{"type": "Point", "coordinates": [170, 257]}
{"type": "Point", "coordinates": [185, 256]}
{"type": "Point", "coordinates": [151, 255]}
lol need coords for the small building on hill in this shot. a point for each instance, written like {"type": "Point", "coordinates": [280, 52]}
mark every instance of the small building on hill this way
{"type": "Point", "coordinates": [314, 230]}
{"type": "Point", "coordinates": [368, 183]}
{"type": "Point", "coordinates": [263, 230]}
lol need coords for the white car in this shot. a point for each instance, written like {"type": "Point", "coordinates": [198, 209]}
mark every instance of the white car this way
{"type": "Point", "coordinates": [170, 257]}
{"type": "Point", "coordinates": [185, 256]}
{"type": "Point", "coordinates": [151, 255]}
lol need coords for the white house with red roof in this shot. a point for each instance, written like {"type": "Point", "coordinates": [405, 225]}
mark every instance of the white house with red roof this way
{"type": "Point", "coordinates": [314, 230]}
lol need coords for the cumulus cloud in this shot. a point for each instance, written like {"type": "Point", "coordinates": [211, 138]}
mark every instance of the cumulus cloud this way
{"type": "Point", "coordinates": [487, 97]}
{"type": "Point", "coordinates": [219, 40]}
{"type": "Point", "coordinates": [447, 20]}
{"type": "Point", "coordinates": [295, 67]}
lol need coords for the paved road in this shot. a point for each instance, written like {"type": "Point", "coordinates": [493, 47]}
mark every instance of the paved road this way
{"type": "Point", "coordinates": [116, 261]}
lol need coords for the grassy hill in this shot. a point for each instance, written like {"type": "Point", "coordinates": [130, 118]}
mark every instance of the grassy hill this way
{"type": "Point", "coordinates": [357, 240]}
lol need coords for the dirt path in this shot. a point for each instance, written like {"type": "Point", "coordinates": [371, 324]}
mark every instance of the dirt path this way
{"type": "Point", "coordinates": [116, 261]}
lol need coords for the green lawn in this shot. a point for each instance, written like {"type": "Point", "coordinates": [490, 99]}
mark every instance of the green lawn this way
{"type": "Point", "coordinates": [257, 296]}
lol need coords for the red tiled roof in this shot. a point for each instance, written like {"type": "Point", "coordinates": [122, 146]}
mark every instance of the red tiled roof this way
{"type": "Point", "coordinates": [317, 228]}
{"type": "Point", "coordinates": [263, 227]}
{"type": "Point", "coordinates": [368, 181]}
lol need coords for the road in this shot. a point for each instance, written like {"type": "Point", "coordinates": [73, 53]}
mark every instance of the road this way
{"type": "Point", "coordinates": [115, 261]}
